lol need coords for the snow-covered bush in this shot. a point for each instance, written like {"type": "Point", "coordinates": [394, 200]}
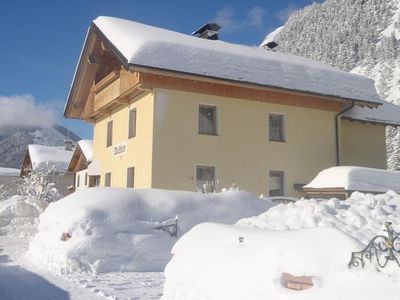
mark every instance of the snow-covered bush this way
{"type": "Point", "coordinates": [40, 184]}
{"type": "Point", "coordinates": [114, 229]}
{"type": "Point", "coordinates": [4, 194]}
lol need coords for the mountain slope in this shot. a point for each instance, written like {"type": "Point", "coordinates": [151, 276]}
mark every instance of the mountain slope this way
{"type": "Point", "coordinates": [15, 139]}
{"type": "Point", "coordinates": [361, 36]}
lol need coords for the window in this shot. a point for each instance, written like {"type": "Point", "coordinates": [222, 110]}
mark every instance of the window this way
{"type": "Point", "coordinates": [130, 177]}
{"type": "Point", "coordinates": [205, 179]}
{"type": "Point", "coordinates": [207, 120]}
{"type": "Point", "coordinates": [109, 133]}
{"type": "Point", "coordinates": [86, 177]}
{"type": "Point", "coordinates": [276, 183]}
{"type": "Point", "coordinates": [276, 127]}
{"type": "Point", "coordinates": [78, 179]}
{"type": "Point", "coordinates": [107, 179]}
{"type": "Point", "coordinates": [94, 181]}
{"type": "Point", "coordinates": [132, 123]}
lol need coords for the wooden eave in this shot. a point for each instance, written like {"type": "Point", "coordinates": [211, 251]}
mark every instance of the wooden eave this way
{"type": "Point", "coordinates": [78, 161]}
{"type": "Point", "coordinates": [146, 78]}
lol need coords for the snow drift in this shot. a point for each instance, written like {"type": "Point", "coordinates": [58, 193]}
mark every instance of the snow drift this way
{"type": "Point", "coordinates": [113, 229]}
{"type": "Point", "coordinates": [19, 215]}
{"type": "Point", "coordinates": [307, 238]}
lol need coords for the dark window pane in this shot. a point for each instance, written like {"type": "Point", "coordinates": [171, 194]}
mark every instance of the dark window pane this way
{"type": "Point", "coordinates": [107, 179]}
{"type": "Point", "coordinates": [132, 123]}
{"type": "Point", "coordinates": [207, 120]}
{"type": "Point", "coordinates": [276, 128]}
{"type": "Point", "coordinates": [109, 133]}
{"type": "Point", "coordinates": [130, 178]}
{"type": "Point", "coordinates": [276, 183]}
{"type": "Point", "coordinates": [205, 179]}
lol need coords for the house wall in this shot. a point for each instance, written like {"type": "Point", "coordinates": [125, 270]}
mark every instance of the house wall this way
{"type": "Point", "coordinates": [8, 183]}
{"type": "Point", "coordinates": [139, 148]}
{"type": "Point", "coordinates": [363, 145]}
{"type": "Point", "coordinates": [80, 179]}
{"type": "Point", "coordinates": [241, 152]}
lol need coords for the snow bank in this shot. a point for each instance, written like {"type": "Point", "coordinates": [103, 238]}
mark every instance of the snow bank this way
{"type": "Point", "coordinates": [209, 263]}
{"type": "Point", "coordinates": [19, 216]}
{"type": "Point", "coordinates": [41, 156]}
{"type": "Point", "coordinates": [308, 238]}
{"type": "Point", "coordinates": [361, 216]}
{"type": "Point", "coordinates": [357, 179]}
{"type": "Point", "coordinates": [153, 47]}
{"type": "Point", "coordinates": [113, 229]}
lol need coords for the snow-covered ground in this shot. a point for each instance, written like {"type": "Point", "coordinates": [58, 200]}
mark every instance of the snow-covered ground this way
{"type": "Point", "coordinates": [312, 238]}
{"type": "Point", "coordinates": [245, 260]}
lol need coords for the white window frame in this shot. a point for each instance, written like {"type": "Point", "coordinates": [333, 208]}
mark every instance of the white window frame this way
{"type": "Point", "coordinates": [284, 182]}
{"type": "Point", "coordinates": [285, 136]}
{"type": "Point", "coordinates": [217, 118]}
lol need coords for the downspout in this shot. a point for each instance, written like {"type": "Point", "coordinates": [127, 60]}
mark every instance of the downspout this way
{"type": "Point", "coordinates": [337, 116]}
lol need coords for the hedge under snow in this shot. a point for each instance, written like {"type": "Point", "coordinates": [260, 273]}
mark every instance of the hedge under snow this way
{"type": "Point", "coordinates": [113, 229]}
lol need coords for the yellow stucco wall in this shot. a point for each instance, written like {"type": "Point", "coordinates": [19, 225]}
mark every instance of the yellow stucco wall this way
{"type": "Point", "coordinates": [241, 152]}
{"type": "Point", "coordinates": [363, 145]}
{"type": "Point", "coordinates": [139, 148]}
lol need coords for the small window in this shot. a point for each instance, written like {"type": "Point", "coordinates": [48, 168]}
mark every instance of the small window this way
{"type": "Point", "coordinates": [86, 178]}
{"type": "Point", "coordinates": [207, 120]}
{"type": "Point", "coordinates": [94, 181]}
{"type": "Point", "coordinates": [205, 179]}
{"type": "Point", "coordinates": [276, 127]}
{"type": "Point", "coordinates": [109, 133]}
{"type": "Point", "coordinates": [107, 179]}
{"type": "Point", "coordinates": [276, 183]}
{"type": "Point", "coordinates": [130, 177]}
{"type": "Point", "coordinates": [132, 123]}
{"type": "Point", "coordinates": [78, 179]}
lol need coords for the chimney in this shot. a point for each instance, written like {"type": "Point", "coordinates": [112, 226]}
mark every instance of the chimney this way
{"type": "Point", "coordinates": [68, 145]}
{"type": "Point", "coordinates": [208, 31]}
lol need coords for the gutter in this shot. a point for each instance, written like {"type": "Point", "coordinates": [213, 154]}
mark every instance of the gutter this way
{"type": "Point", "coordinates": [337, 116]}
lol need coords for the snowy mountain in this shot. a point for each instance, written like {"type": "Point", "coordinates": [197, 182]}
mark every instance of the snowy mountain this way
{"type": "Point", "coordinates": [360, 36]}
{"type": "Point", "coordinates": [14, 140]}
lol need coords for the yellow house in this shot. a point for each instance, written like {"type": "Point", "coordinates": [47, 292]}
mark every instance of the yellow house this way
{"type": "Point", "coordinates": [174, 111]}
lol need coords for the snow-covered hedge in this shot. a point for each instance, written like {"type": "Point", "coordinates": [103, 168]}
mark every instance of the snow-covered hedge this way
{"type": "Point", "coordinates": [113, 229]}
{"type": "Point", "coordinates": [308, 238]}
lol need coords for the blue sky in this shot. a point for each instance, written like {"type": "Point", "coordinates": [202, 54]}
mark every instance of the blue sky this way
{"type": "Point", "coordinates": [41, 40]}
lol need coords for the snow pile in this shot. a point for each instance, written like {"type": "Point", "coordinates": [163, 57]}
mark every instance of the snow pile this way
{"type": "Point", "coordinates": [210, 263]}
{"type": "Point", "coordinates": [113, 229]}
{"type": "Point", "coordinates": [153, 47]}
{"type": "Point", "coordinates": [9, 172]}
{"type": "Point", "coordinates": [19, 215]}
{"type": "Point", "coordinates": [361, 216]}
{"type": "Point", "coordinates": [42, 156]}
{"type": "Point", "coordinates": [357, 179]}
{"type": "Point", "coordinates": [307, 238]}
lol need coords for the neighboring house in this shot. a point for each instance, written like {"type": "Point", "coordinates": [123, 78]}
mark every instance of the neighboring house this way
{"type": "Point", "coordinates": [174, 111]}
{"type": "Point", "coordinates": [43, 157]}
{"type": "Point", "coordinates": [8, 178]}
{"type": "Point", "coordinates": [80, 161]}
{"type": "Point", "coordinates": [340, 182]}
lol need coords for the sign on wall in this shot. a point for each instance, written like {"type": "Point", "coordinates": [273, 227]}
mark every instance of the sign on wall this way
{"type": "Point", "coordinates": [120, 149]}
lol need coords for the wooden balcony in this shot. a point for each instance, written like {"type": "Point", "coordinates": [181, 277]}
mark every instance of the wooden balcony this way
{"type": "Point", "coordinates": [116, 89]}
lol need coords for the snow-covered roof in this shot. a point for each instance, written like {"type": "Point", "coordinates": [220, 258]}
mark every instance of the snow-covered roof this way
{"type": "Point", "coordinates": [87, 149]}
{"type": "Point", "coordinates": [9, 171]}
{"type": "Point", "coordinates": [387, 113]}
{"type": "Point", "coordinates": [147, 46]}
{"type": "Point", "coordinates": [357, 179]}
{"type": "Point", "coordinates": [41, 156]}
